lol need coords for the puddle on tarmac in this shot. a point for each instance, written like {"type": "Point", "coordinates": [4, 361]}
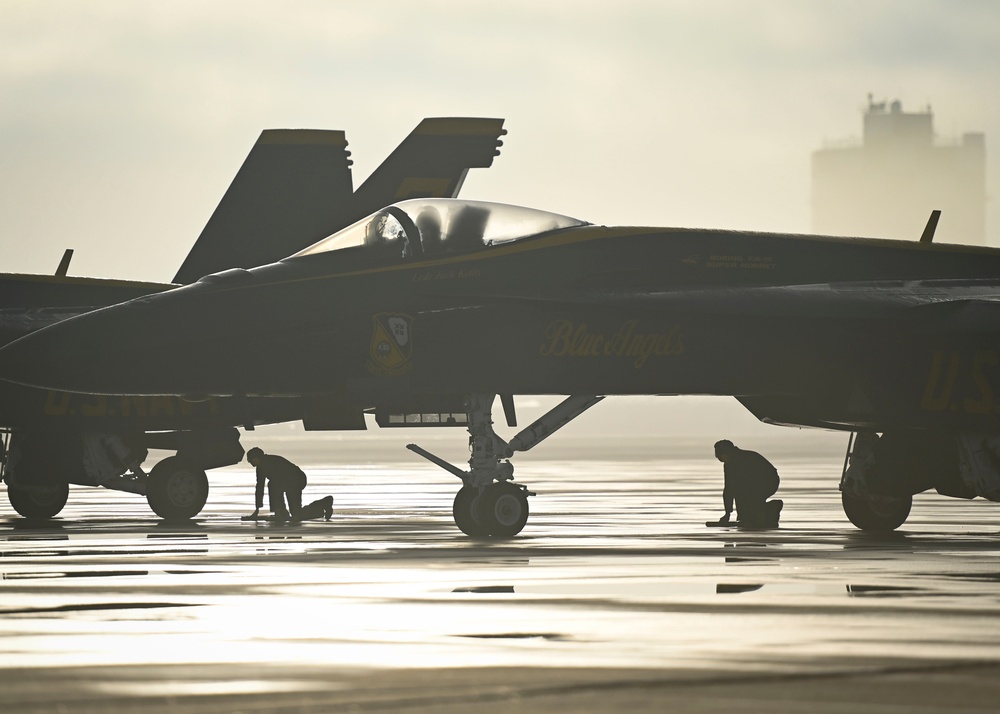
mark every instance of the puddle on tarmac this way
{"type": "Point", "coordinates": [549, 636]}
{"type": "Point", "coordinates": [673, 590]}
{"type": "Point", "coordinates": [732, 588]}
{"type": "Point", "coordinates": [180, 688]}
{"type": "Point", "coordinates": [96, 607]}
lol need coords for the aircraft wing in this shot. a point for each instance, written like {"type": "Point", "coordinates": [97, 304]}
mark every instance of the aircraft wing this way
{"type": "Point", "coordinates": [31, 302]}
{"type": "Point", "coordinates": [15, 322]}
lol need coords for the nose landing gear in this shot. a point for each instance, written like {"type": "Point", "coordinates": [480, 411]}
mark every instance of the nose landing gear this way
{"type": "Point", "coordinates": [489, 502]}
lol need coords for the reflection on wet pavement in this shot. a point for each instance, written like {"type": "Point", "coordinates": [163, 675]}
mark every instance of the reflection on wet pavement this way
{"type": "Point", "coordinates": [620, 575]}
{"type": "Point", "coordinates": [732, 588]}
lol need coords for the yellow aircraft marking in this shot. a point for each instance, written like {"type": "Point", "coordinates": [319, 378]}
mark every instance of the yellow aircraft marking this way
{"type": "Point", "coordinates": [73, 280]}
{"type": "Point", "coordinates": [67, 404]}
{"type": "Point", "coordinates": [458, 126]}
{"type": "Point", "coordinates": [566, 338]}
{"type": "Point", "coordinates": [333, 137]}
{"type": "Point", "coordinates": [487, 254]}
{"type": "Point", "coordinates": [958, 366]}
{"type": "Point", "coordinates": [589, 232]}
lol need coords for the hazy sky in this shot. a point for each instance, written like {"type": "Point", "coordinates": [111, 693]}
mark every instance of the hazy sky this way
{"type": "Point", "coordinates": [122, 123]}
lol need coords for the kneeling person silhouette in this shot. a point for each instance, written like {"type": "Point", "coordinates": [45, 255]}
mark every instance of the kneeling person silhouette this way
{"type": "Point", "coordinates": [285, 482]}
{"type": "Point", "coordinates": [750, 480]}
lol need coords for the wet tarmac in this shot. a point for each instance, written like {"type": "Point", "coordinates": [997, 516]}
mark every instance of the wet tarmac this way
{"type": "Point", "coordinates": [615, 597]}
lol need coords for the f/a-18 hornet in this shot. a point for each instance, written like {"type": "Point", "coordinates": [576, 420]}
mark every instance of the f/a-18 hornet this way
{"type": "Point", "coordinates": [294, 188]}
{"type": "Point", "coordinates": [425, 311]}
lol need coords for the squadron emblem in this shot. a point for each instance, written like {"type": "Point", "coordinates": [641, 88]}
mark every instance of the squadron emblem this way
{"type": "Point", "coordinates": [392, 344]}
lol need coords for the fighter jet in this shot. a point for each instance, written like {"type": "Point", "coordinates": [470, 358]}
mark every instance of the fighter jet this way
{"type": "Point", "coordinates": [294, 188]}
{"type": "Point", "coordinates": [426, 310]}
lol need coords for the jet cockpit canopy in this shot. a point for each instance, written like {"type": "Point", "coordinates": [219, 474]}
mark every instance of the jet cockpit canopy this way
{"type": "Point", "coordinates": [427, 226]}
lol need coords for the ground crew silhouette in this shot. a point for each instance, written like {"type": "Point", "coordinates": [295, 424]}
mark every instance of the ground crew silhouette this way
{"type": "Point", "coordinates": [285, 481]}
{"type": "Point", "coordinates": [750, 480]}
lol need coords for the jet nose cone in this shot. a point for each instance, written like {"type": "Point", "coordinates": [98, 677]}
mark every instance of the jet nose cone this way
{"type": "Point", "coordinates": [166, 344]}
{"type": "Point", "coordinates": [61, 356]}
{"type": "Point", "coordinates": [19, 362]}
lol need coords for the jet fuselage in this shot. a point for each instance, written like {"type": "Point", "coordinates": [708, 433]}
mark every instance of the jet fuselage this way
{"type": "Point", "coordinates": [832, 331]}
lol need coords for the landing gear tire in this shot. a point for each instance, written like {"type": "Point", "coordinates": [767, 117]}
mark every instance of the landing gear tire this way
{"type": "Point", "coordinates": [504, 509]}
{"type": "Point", "coordinates": [39, 504]}
{"type": "Point", "coordinates": [879, 514]}
{"type": "Point", "coordinates": [466, 512]}
{"type": "Point", "coordinates": [176, 490]}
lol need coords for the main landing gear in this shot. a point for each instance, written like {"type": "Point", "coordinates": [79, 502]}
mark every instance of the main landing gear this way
{"type": "Point", "coordinates": [40, 503]}
{"type": "Point", "coordinates": [876, 514]}
{"type": "Point", "coordinates": [176, 489]}
{"type": "Point", "coordinates": [489, 502]}
{"type": "Point", "coordinates": [867, 508]}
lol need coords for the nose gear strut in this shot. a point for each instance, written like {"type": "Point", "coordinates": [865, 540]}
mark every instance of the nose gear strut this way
{"type": "Point", "coordinates": [489, 502]}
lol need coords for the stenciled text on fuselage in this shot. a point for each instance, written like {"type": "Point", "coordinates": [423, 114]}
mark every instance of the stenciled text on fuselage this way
{"type": "Point", "coordinates": [567, 338]}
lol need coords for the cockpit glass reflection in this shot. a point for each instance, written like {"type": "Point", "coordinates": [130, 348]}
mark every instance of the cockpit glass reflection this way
{"type": "Point", "coordinates": [431, 226]}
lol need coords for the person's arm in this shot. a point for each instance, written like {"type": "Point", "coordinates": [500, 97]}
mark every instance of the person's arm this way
{"type": "Point", "coordinates": [727, 496]}
{"type": "Point", "coordinates": [258, 498]}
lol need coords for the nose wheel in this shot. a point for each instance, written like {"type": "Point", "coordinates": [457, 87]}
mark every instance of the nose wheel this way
{"type": "Point", "coordinates": [500, 510]}
{"type": "Point", "coordinates": [489, 503]}
{"type": "Point", "coordinates": [504, 508]}
{"type": "Point", "coordinates": [466, 512]}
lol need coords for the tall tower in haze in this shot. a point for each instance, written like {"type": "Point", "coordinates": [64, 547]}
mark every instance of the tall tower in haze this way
{"type": "Point", "coordinates": [887, 186]}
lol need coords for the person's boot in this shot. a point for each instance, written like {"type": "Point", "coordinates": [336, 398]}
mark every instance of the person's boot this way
{"type": "Point", "coordinates": [774, 512]}
{"type": "Point", "coordinates": [327, 507]}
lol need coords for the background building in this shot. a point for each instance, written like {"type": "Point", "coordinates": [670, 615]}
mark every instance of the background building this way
{"type": "Point", "coordinates": [887, 185]}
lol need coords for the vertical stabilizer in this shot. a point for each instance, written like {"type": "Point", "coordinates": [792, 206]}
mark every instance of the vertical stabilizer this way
{"type": "Point", "coordinates": [295, 189]}
{"type": "Point", "coordinates": [291, 187]}
{"type": "Point", "coordinates": [431, 162]}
